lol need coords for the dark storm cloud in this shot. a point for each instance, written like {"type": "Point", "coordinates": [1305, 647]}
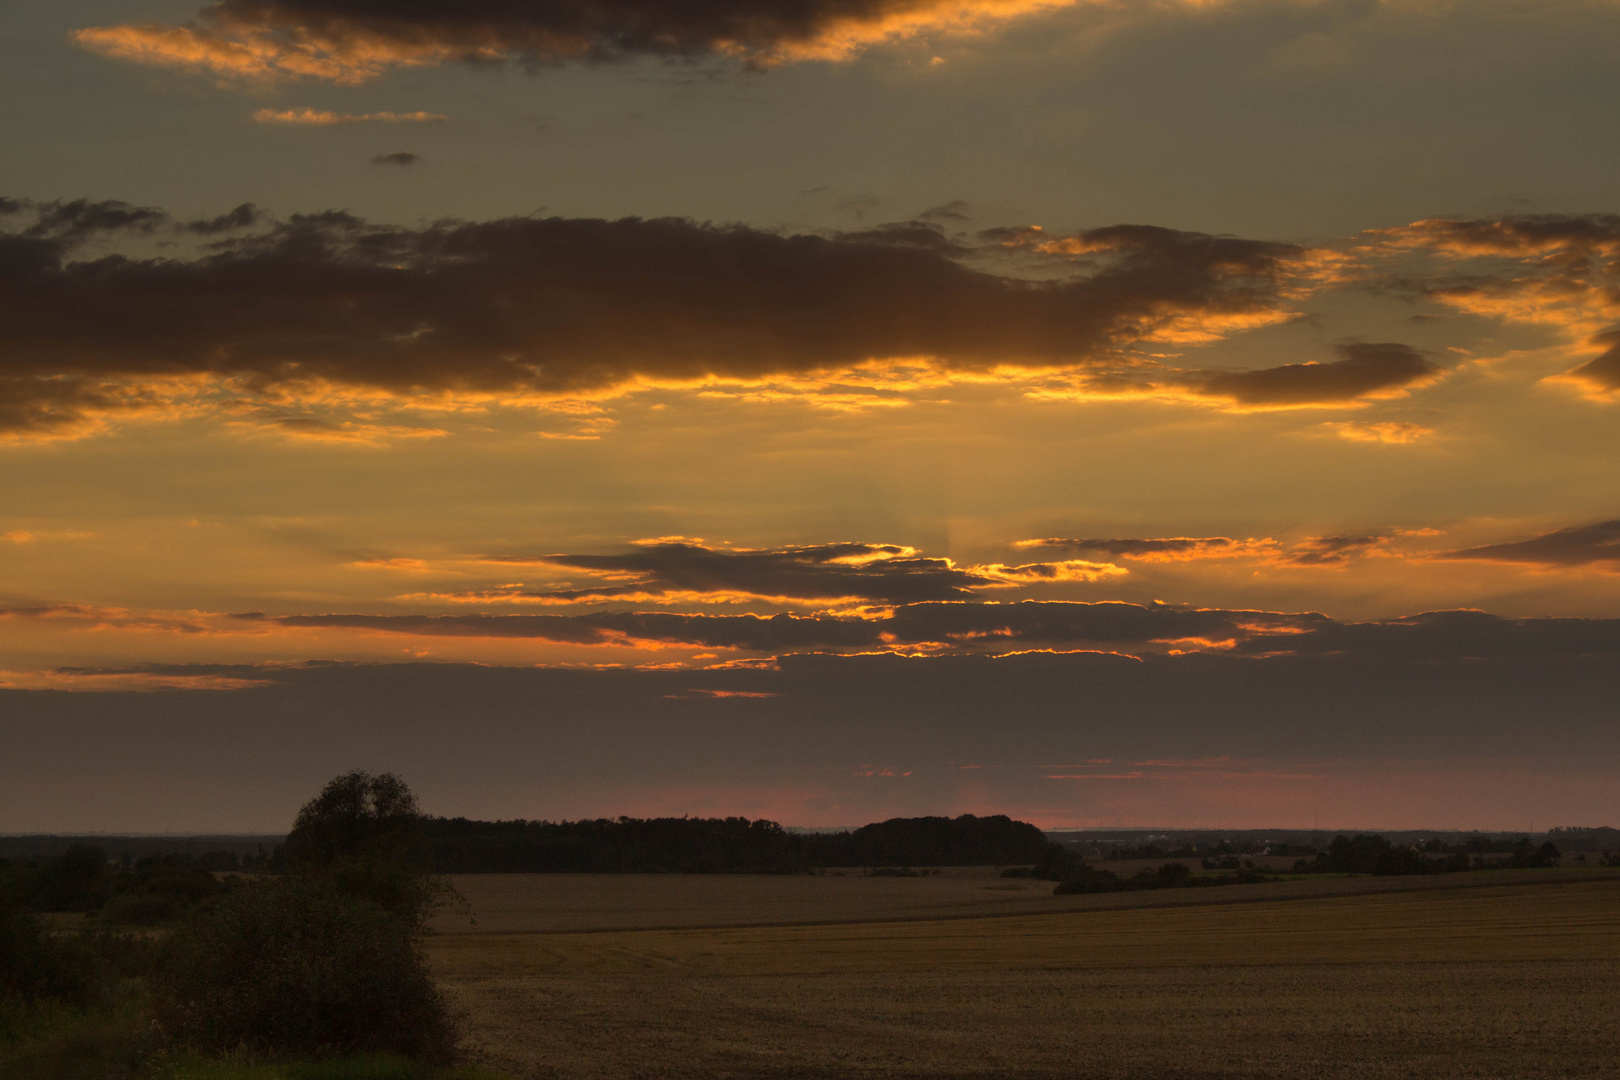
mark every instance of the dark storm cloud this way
{"type": "Point", "coordinates": [401, 158]}
{"type": "Point", "coordinates": [1365, 370]}
{"type": "Point", "coordinates": [1584, 545]}
{"type": "Point", "coordinates": [882, 573]}
{"type": "Point", "coordinates": [560, 305]}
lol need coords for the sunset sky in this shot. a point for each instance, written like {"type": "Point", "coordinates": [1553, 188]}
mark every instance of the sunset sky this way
{"type": "Point", "coordinates": [1193, 413]}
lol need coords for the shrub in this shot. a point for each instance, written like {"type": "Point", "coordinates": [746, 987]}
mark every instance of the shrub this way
{"type": "Point", "coordinates": [300, 965]}
{"type": "Point", "coordinates": [1084, 879]}
{"type": "Point", "coordinates": [36, 966]}
{"type": "Point", "coordinates": [326, 958]}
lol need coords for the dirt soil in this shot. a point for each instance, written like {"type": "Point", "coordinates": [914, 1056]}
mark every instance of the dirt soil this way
{"type": "Point", "coordinates": [1495, 980]}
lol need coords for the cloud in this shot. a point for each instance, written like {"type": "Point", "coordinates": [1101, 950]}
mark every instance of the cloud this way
{"type": "Point", "coordinates": [1329, 551]}
{"type": "Point", "coordinates": [931, 627]}
{"type": "Point", "coordinates": [1585, 545]}
{"type": "Point", "coordinates": [329, 305]}
{"type": "Point", "coordinates": [1602, 373]}
{"type": "Point", "coordinates": [402, 157]}
{"type": "Point", "coordinates": [1453, 635]}
{"type": "Point", "coordinates": [1394, 432]}
{"type": "Point", "coordinates": [1555, 235]}
{"type": "Point", "coordinates": [874, 573]}
{"type": "Point", "coordinates": [353, 41]}
{"type": "Point", "coordinates": [1164, 549]}
{"type": "Point", "coordinates": [1332, 550]}
{"type": "Point", "coordinates": [325, 118]}
{"type": "Point", "coordinates": [1366, 371]}
{"type": "Point", "coordinates": [1560, 270]}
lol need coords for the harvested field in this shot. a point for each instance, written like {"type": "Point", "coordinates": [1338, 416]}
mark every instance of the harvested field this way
{"type": "Point", "coordinates": [1498, 980]}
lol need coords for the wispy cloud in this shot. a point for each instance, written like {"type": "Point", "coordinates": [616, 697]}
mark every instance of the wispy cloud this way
{"type": "Point", "coordinates": [324, 118]}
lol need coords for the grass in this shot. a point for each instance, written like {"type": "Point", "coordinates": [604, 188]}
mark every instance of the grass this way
{"type": "Point", "coordinates": [116, 1041]}
{"type": "Point", "coordinates": [50, 1040]}
{"type": "Point", "coordinates": [356, 1067]}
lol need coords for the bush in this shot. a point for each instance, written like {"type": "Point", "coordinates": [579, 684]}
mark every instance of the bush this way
{"type": "Point", "coordinates": [300, 965]}
{"type": "Point", "coordinates": [1084, 879]}
{"type": "Point", "coordinates": [38, 966]}
{"type": "Point", "coordinates": [324, 959]}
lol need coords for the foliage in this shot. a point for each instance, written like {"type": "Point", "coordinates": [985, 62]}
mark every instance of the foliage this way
{"type": "Point", "coordinates": [720, 845]}
{"type": "Point", "coordinates": [369, 1066]}
{"type": "Point", "coordinates": [58, 1040]}
{"type": "Point", "coordinates": [609, 846]}
{"type": "Point", "coordinates": [162, 889]}
{"type": "Point", "coordinates": [1374, 854]}
{"type": "Point", "coordinates": [35, 965]}
{"type": "Point", "coordinates": [325, 957]}
{"type": "Point", "coordinates": [1086, 879]}
{"type": "Point", "coordinates": [930, 841]}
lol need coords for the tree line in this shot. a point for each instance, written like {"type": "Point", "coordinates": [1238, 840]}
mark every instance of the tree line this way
{"type": "Point", "coordinates": [733, 845]}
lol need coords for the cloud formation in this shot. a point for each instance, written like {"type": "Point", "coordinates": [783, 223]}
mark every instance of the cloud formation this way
{"type": "Point", "coordinates": [1160, 549]}
{"type": "Point", "coordinates": [871, 573]}
{"type": "Point", "coordinates": [1584, 545]}
{"type": "Point", "coordinates": [328, 304]}
{"type": "Point", "coordinates": [1365, 371]}
{"type": "Point", "coordinates": [936, 628]}
{"type": "Point", "coordinates": [326, 118]}
{"type": "Point", "coordinates": [1560, 270]}
{"type": "Point", "coordinates": [1312, 551]}
{"type": "Point", "coordinates": [1602, 373]}
{"type": "Point", "coordinates": [353, 41]}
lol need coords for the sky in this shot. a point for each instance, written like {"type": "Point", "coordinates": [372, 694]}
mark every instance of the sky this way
{"type": "Point", "coordinates": [1137, 413]}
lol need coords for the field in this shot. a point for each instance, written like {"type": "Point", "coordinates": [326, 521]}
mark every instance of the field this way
{"type": "Point", "coordinates": [1511, 974]}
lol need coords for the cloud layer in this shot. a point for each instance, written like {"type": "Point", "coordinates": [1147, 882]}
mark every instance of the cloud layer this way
{"type": "Point", "coordinates": [1583, 545]}
{"type": "Point", "coordinates": [329, 304]}
{"type": "Point", "coordinates": [1000, 629]}
{"type": "Point", "coordinates": [353, 41]}
{"type": "Point", "coordinates": [872, 573]}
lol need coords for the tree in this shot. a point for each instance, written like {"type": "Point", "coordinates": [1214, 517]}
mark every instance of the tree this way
{"type": "Point", "coordinates": [364, 834]}
{"type": "Point", "coordinates": [326, 957]}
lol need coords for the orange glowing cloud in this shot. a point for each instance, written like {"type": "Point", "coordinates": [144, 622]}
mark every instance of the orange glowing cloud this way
{"type": "Point", "coordinates": [326, 118]}
{"type": "Point", "coordinates": [1397, 433]}
{"type": "Point", "coordinates": [1554, 270]}
{"type": "Point", "coordinates": [328, 327]}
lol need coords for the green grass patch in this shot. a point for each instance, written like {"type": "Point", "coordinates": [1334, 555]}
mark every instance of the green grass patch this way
{"type": "Point", "coordinates": [352, 1067]}
{"type": "Point", "coordinates": [49, 1040]}
{"type": "Point", "coordinates": [52, 1040]}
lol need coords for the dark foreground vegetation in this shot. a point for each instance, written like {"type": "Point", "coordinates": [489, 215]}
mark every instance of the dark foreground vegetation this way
{"type": "Point", "coordinates": [315, 972]}
{"type": "Point", "coordinates": [722, 845]}
{"type": "Point", "coordinates": [1360, 854]}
